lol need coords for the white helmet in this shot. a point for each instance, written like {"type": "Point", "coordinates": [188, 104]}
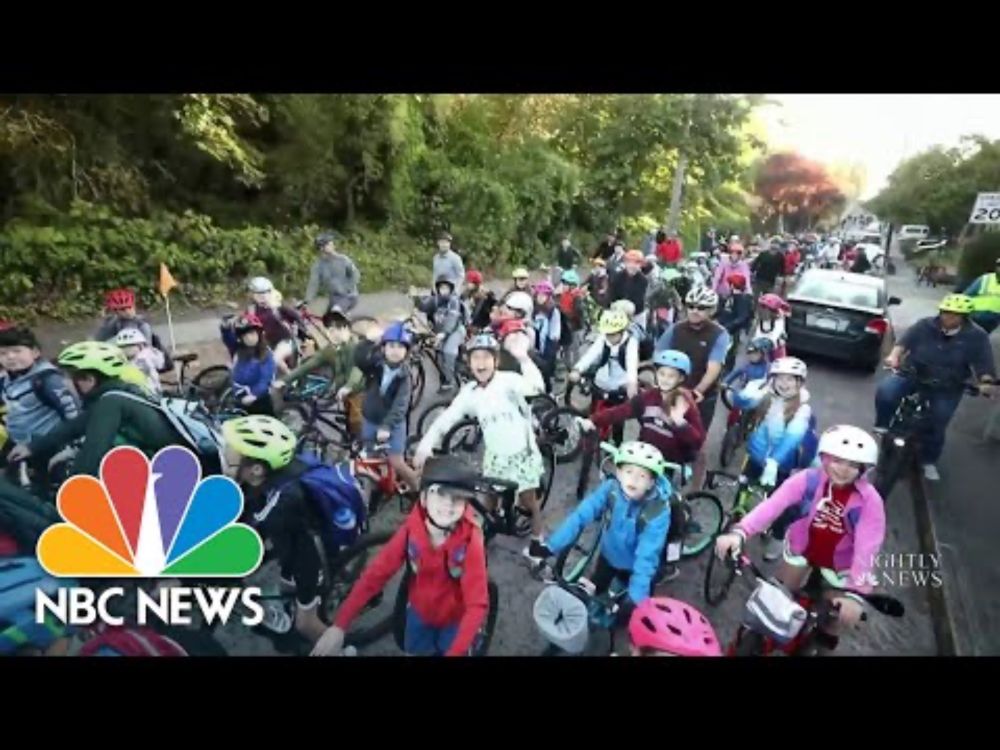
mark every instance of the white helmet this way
{"type": "Point", "coordinates": [702, 296]}
{"type": "Point", "coordinates": [789, 366]}
{"type": "Point", "coordinates": [849, 443]}
{"type": "Point", "coordinates": [130, 337]}
{"type": "Point", "coordinates": [520, 301]}
{"type": "Point", "coordinates": [626, 306]}
{"type": "Point", "coordinates": [260, 285]}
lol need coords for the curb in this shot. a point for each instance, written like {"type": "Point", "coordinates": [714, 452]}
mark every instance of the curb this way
{"type": "Point", "coordinates": [945, 626]}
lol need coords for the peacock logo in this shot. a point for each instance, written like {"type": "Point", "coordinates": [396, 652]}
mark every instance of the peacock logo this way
{"type": "Point", "coordinates": [152, 519]}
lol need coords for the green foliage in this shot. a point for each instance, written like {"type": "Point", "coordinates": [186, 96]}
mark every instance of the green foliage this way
{"type": "Point", "coordinates": [979, 256]}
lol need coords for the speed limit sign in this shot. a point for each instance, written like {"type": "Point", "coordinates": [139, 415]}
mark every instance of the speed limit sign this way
{"type": "Point", "coordinates": [987, 209]}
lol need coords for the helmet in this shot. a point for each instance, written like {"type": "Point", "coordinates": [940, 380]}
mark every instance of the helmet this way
{"type": "Point", "coordinates": [260, 285]}
{"type": "Point", "coordinates": [473, 277]}
{"type": "Point", "coordinates": [570, 277]}
{"type": "Point", "coordinates": [449, 471]}
{"type": "Point", "coordinates": [734, 239]}
{"type": "Point", "coordinates": [512, 325]}
{"type": "Point", "coordinates": [445, 236]}
{"type": "Point", "coordinates": [247, 322]}
{"type": "Point", "coordinates": [14, 335]}
{"type": "Point", "coordinates": [640, 454]}
{"type": "Point", "coordinates": [521, 302]}
{"type": "Point", "coordinates": [486, 341]}
{"type": "Point", "coordinates": [130, 337]}
{"type": "Point", "coordinates": [106, 359]}
{"type": "Point", "coordinates": [335, 314]}
{"type": "Point", "coordinates": [772, 302]}
{"type": "Point", "coordinates": [761, 344]}
{"type": "Point", "coordinates": [323, 237]}
{"type": "Point", "coordinates": [626, 306]}
{"type": "Point", "coordinates": [673, 358]}
{"type": "Point", "coordinates": [850, 444]}
{"type": "Point", "coordinates": [956, 303]}
{"type": "Point", "coordinates": [674, 627]}
{"type": "Point", "coordinates": [737, 280]}
{"type": "Point", "coordinates": [634, 256]}
{"type": "Point", "coordinates": [119, 299]}
{"type": "Point", "coordinates": [265, 438]}
{"type": "Point", "coordinates": [519, 273]}
{"type": "Point", "coordinates": [444, 280]}
{"type": "Point", "coordinates": [701, 296]}
{"type": "Point", "coordinates": [543, 287]}
{"type": "Point", "coordinates": [612, 321]}
{"type": "Point", "coordinates": [397, 332]}
{"type": "Point", "coordinates": [788, 366]}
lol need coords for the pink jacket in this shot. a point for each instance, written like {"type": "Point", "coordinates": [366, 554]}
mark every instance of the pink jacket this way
{"type": "Point", "coordinates": [723, 270]}
{"type": "Point", "coordinates": [865, 523]}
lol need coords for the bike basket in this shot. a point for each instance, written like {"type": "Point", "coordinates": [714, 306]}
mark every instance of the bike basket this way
{"type": "Point", "coordinates": [562, 619]}
{"type": "Point", "coordinates": [773, 612]}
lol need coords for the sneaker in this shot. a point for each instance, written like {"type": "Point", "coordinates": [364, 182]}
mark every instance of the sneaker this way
{"type": "Point", "coordinates": [276, 618]}
{"type": "Point", "coordinates": [931, 473]}
{"type": "Point", "coordinates": [773, 548]}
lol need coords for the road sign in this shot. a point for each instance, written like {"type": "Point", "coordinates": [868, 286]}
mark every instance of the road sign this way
{"type": "Point", "coordinates": [987, 209]}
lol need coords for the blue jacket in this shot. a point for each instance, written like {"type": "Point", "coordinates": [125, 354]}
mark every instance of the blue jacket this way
{"type": "Point", "coordinates": [948, 357]}
{"type": "Point", "coordinates": [747, 372]}
{"type": "Point", "coordinates": [254, 374]}
{"type": "Point", "coordinates": [621, 545]}
{"type": "Point", "coordinates": [792, 444]}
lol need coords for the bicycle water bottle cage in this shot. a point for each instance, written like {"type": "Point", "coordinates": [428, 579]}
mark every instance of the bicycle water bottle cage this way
{"type": "Point", "coordinates": [772, 611]}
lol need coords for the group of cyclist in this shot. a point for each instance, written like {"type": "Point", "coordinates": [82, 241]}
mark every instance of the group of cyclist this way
{"type": "Point", "coordinates": [686, 317]}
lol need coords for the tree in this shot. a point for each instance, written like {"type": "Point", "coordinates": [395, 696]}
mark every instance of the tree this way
{"type": "Point", "coordinates": [795, 192]}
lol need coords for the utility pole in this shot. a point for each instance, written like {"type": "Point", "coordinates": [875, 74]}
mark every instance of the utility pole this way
{"type": "Point", "coordinates": [682, 158]}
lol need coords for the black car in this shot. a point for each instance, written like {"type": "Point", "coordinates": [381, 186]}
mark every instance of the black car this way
{"type": "Point", "coordinates": [842, 315]}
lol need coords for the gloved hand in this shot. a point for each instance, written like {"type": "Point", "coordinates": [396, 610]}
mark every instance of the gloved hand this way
{"type": "Point", "coordinates": [769, 477]}
{"type": "Point", "coordinates": [538, 550]}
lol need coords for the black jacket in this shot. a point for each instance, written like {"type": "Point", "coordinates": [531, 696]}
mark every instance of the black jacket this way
{"type": "Point", "coordinates": [632, 288]}
{"type": "Point", "coordinates": [604, 251]}
{"type": "Point", "coordinates": [768, 266]}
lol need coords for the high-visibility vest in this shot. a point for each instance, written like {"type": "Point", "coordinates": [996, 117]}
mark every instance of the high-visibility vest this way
{"type": "Point", "coordinates": [988, 299]}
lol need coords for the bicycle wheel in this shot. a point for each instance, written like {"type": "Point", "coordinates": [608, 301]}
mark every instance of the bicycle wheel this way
{"type": "Point", "coordinates": [491, 619]}
{"type": "Point", "coordinates": [572, 562]}
{"type": "Point", "coordinates": [375, 620]}
{"type": "Point", "coordinates": [719, 579]}
{"type": "Point", "coordinates": [892, 462]}
{"type": "Point", "coordinates": [465, 439]}
{"type": "Point", "coordinates": [725, 487]}
{"type": "Point", "coordinates": [730, 444]}
{"type": "Point", "coordinates": [418, 382]}
{"type": "Point", "coordinates": [432, 412]}
{"type": "Point", "coordinates": [703, 523]}
{"type": "Point", "coordinates": [750, 643]}
{"type": "Point", "coordinates": [561, 430]}
{"type": "Point", "coordinates": [295, 417]}
{"type": "Point", "coordinates": [211, 383]}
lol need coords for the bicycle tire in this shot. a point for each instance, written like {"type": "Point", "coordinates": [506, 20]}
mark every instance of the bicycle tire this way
{"type": "Point", "coordinates": [418, 383]}
{"type": "Point", "coordinates": [344, 570]}
{"type": "Point", "coordinates": [751, 643]}
{"type": "Point", "coordinates": [489, 627]}
{"type": "Point", "coordinates": [572, 562]}
{"type": "Point", "coordinates": [212, 381]}
{"type": "Point", "coordinates": [715, 586]}
{"type": "Point", "coordinates": [704, 522]}
{"type": "Point", "coordinates": [730, 444]}
{"type": "Point", "coordinates": [553, 425]}
{"type": "Point", "coordinates": [424, 421]}
{"type": "Point", "coordinates": [891, 465]}
{"type": "Point", "coordinates": [467, 445]}
{"type": "Point", "coordinates": [295, 417]}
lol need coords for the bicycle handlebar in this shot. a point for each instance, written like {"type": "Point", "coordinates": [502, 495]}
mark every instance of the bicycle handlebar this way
{"type": "Point", "coordinates": [970, 387]}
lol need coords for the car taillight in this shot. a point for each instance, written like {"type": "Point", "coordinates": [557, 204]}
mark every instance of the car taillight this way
{"type": "Point", "coordinates": [878, 326]}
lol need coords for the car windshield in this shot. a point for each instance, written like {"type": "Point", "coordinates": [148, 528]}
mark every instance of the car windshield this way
{"type": "Point", "coordinates": [838, 292]}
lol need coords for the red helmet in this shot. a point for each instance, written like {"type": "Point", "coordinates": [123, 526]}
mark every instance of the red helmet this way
{"type": "Point", "coordinates": [772, 302]}
{"type": "Point", "coordinates": [248, 322]}
{"type": "Point", "coordinates": [737, 280]}
{"type": "Point", "coordinates": [473, 277]}
{"type": "Point", "coordinates": [119, 299]}
{"type": "Point", "coordinates": [511, 325]}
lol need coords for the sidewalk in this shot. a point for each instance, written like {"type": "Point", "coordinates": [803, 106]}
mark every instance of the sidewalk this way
{"type": "Point", "coordinates": [965, 517]}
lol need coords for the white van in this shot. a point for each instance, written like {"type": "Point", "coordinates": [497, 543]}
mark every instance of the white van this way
{"type": "Point", "coordinates": [914, 232]}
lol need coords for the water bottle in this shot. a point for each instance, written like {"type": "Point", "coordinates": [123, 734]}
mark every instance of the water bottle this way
{"type": "Point", "coordinates": [344, 519]}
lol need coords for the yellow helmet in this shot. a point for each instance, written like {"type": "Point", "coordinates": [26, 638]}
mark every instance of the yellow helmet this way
{"type": "Point", "coordinates": [3, 435]}
{"type": "Point", "coordinates": [612, 321]}
{"type": "Point", "coordinates": [265, 438]}
{"type": "Point", "coordinates": [520, 273]}
{"type": "Point", "coordinates": [956, 303]}
{"type": "Point", "coordinates": [106, 359]}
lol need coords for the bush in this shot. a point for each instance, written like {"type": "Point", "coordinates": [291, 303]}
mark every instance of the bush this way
{"type": "Point", "coordinates": [64, 266]}
{"type": "Point", "coordinates": [979, 256]}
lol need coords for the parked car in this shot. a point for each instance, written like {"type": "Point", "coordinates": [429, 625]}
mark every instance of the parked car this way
{"type": "Point", "coordinates": [841, 315]}
{"type": "Point", "coordinates": [914, 232]}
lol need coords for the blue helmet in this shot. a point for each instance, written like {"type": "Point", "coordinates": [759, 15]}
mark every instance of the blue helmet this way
{"type": "Point", "coordinates": [673, 358]}
{"type": "Point", "coordinates": [397, 332]}
{"type": "Point", "coordinates": [761, 344]}
{"type": "Point", "coordinates": [570, 276]}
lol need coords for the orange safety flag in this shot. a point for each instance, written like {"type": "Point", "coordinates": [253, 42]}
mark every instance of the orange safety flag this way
{"type": "Point", "coordinates": [167, 281]}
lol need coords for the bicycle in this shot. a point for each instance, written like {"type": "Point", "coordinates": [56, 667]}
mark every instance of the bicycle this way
{"type": "Point", "coordinates": [739, 427]}
{"type": "Point", "coordinates": [900, 444]}
{"type": "Point", "coordinates": [810, 613]}
{"type": "Point", "coordinates": [207, 386]}
{"type": "Point", "coordinates": [321, 426]}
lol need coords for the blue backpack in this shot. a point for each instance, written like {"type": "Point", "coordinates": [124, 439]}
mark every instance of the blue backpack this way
{"type": "Point", "coordinates": [336, 496]}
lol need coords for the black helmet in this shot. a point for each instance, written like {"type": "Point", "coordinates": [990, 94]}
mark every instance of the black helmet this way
{"type": "Point", "coordinates": [444, 280]}
{"type": "Point", "coordinates": [323, 237]}
{"type": "Point", "coordinates": [443, 235]}
{"type": "Point", "coordinates": [336, 315]}
{"type": "Point", "coordinates": [450, 471]}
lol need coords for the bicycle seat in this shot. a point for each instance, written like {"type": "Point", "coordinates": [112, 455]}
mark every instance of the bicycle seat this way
{"type": "Point", "coordinates": [186, 358]}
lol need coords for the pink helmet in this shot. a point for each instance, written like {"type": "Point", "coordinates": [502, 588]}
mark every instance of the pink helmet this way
{"type": "Point", "coordinates": [674, 627]}
{"type": "Point", "coordinates": [773, 302]}
{"type": "Point", "coordinates": [544, 287]}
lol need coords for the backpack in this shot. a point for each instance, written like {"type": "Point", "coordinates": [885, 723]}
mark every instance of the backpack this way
{"type": "Point", "coordinates": [41, 392]}
{"type": "Point", "coordinates": [131, 641]}
{"type": "Point", "coordinates": [606, 356]}
{"type": "Point", "coordinates": [335, 495]}
{"type": "Point", "coordinates": [568, 306]}
{"type": "Point", "coordinates": [195, 427]}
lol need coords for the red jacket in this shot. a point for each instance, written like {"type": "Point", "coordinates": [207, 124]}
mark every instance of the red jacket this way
{"type": "Point", "coordinates": [677, 444]}
{"type": "Point", "coordinates": [669, 251]}
{"type": "Point", "coordinates": [439, 597]}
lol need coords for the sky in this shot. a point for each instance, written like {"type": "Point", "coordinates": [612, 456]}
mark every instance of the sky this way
{"type": "Point", "coordinates": [877, 130]}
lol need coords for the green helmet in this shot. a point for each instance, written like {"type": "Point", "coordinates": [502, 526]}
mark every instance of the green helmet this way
{"type": "Point", "coordinates": [957, 303]}
{"type": "Point", "coordinates": [106, 359]}
{"type": "Point", "coordinates": [265, 438]}
{"type": "Point", "coordinates": [638, 454]}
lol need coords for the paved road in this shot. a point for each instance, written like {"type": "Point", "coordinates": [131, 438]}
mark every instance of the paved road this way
{"type": "Point", "coordinates": [839, 394]}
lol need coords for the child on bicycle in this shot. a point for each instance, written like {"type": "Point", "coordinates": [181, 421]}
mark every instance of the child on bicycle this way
{"type": "Point", "coordinates": [279, 321]}
{"type": "Point", "coordinates": [253, 366]}
{"type": "Point", "coordinates": [838, 525]}
{"type": "Point", "coordinates": [260, 457]}
{"type": "Point", "coordinates": [445, 557]}
{"type": "Point", "coordinates": [337, 358]}
{"type": "Point", "coordinates": [598, 283]}
{"type": "Point", "coordinates": [132, 342]}
{"type": "Point", "coordinates": [497, 400]}
{"type": "Point", "coordinates": [771, 311]}
{"type": "Point", "coordinates": [785, 436]}
{"type": "Point", "coordinates": [387, 395]}
{"type": "Point", "coordinates": [447, 315]}
{"type": "Point", "coordinates": [548, 329]}
{"type": "Point", "coordinates": [756, 366]}
{"type": "Point", "coordinates": [614, 360]}
{"type": "Point", "coordinates": [121, 305]}
{"type": "Point", "coordinates": [479, 302]}
{"type": "Point", "coordinates": [668, 416]}
{"type": "Point", "coordinates": [634, 506]}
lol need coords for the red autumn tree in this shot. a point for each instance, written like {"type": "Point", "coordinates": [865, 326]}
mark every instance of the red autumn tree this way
{"type": "Point", "coordinates": [795, 192]}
